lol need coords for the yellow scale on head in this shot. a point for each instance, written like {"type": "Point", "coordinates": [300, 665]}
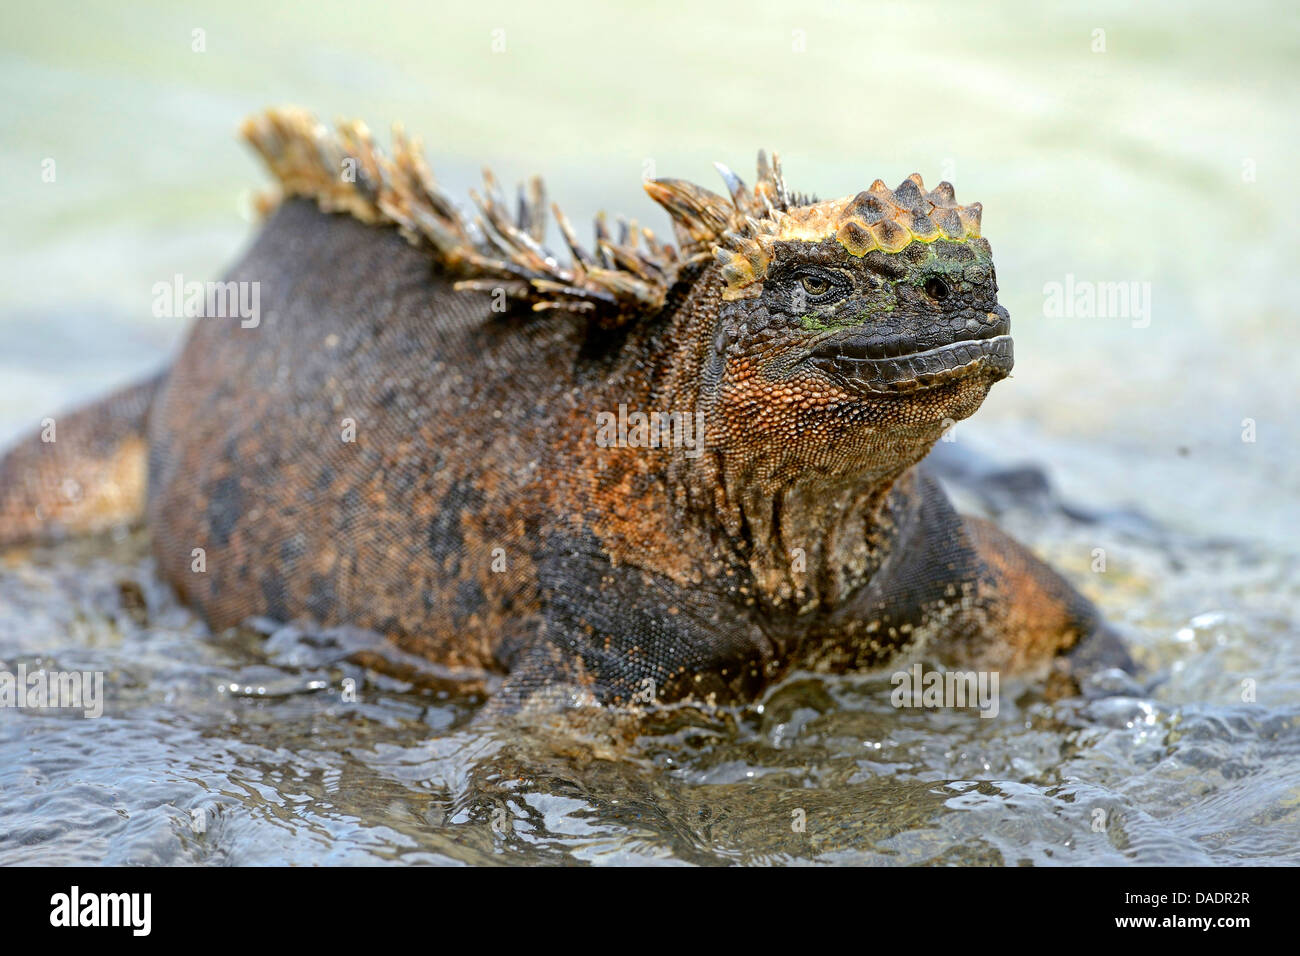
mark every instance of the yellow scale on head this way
{"type": "Point", "coordinates": [876, 219]}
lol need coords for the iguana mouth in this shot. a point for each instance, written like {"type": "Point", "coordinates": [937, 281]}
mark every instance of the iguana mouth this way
{"type": "Point", "coordinates": [871, 364]}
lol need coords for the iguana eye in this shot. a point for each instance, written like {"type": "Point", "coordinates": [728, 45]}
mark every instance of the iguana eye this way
{"type": "Point", "coordinates": [815, 285]}
{"type": "Point", "coordinates": [937, 289]}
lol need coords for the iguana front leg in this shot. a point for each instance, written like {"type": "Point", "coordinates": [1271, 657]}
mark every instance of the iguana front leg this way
{"type": "Point", "coordinates": [621, 636]}
{"type": "Point", "coordinates": [1033, 616]}
{"type": "Point", "coordinates": [959, 593]}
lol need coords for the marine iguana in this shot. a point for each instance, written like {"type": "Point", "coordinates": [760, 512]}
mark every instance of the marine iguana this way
{"type": "Point", "coordinates": [441, 431]}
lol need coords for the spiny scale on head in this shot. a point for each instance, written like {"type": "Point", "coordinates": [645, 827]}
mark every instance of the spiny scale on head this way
{"type": "Point", "coordinates": [741, 234]}
{"type": "Point", "coordinates": [624, 277]}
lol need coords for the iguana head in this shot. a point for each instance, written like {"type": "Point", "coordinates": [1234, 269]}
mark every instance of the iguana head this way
{"type": "Point", "coordinates": [849, 332]}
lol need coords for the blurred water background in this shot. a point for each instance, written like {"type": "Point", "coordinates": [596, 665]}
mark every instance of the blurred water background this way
{"type": "Point", "coordinates": [1110, 143]}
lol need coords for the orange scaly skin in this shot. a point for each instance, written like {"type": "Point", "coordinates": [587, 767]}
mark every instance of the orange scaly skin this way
{"type": "Point", "coordinates": [480, 519]}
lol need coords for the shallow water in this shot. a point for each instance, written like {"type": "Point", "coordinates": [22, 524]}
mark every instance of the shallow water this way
{"type": "Point", "coordinates": [244, 748]}
{"type": "Point", "coordinates": [1165, 159]}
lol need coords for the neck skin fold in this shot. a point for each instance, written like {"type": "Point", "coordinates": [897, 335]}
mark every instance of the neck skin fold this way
{"type": "Point", "coordinates": [805, 539]}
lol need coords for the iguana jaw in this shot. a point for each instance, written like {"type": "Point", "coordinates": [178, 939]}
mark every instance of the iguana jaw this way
{"type": "Point", "coordinates": [864, 363]}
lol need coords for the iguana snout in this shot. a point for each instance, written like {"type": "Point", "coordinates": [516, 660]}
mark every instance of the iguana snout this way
{"type": "Point", "coordinates": [889, 322]}
{"type": "Point", "coordinates": [842, 363]}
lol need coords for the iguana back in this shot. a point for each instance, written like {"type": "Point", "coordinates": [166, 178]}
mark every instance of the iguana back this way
{"type": "Point", "coordinates": [357, 455]}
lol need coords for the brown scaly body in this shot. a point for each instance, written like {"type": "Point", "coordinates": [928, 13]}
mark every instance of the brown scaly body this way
{"type": "Point", "coordinates": [410, 438]}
